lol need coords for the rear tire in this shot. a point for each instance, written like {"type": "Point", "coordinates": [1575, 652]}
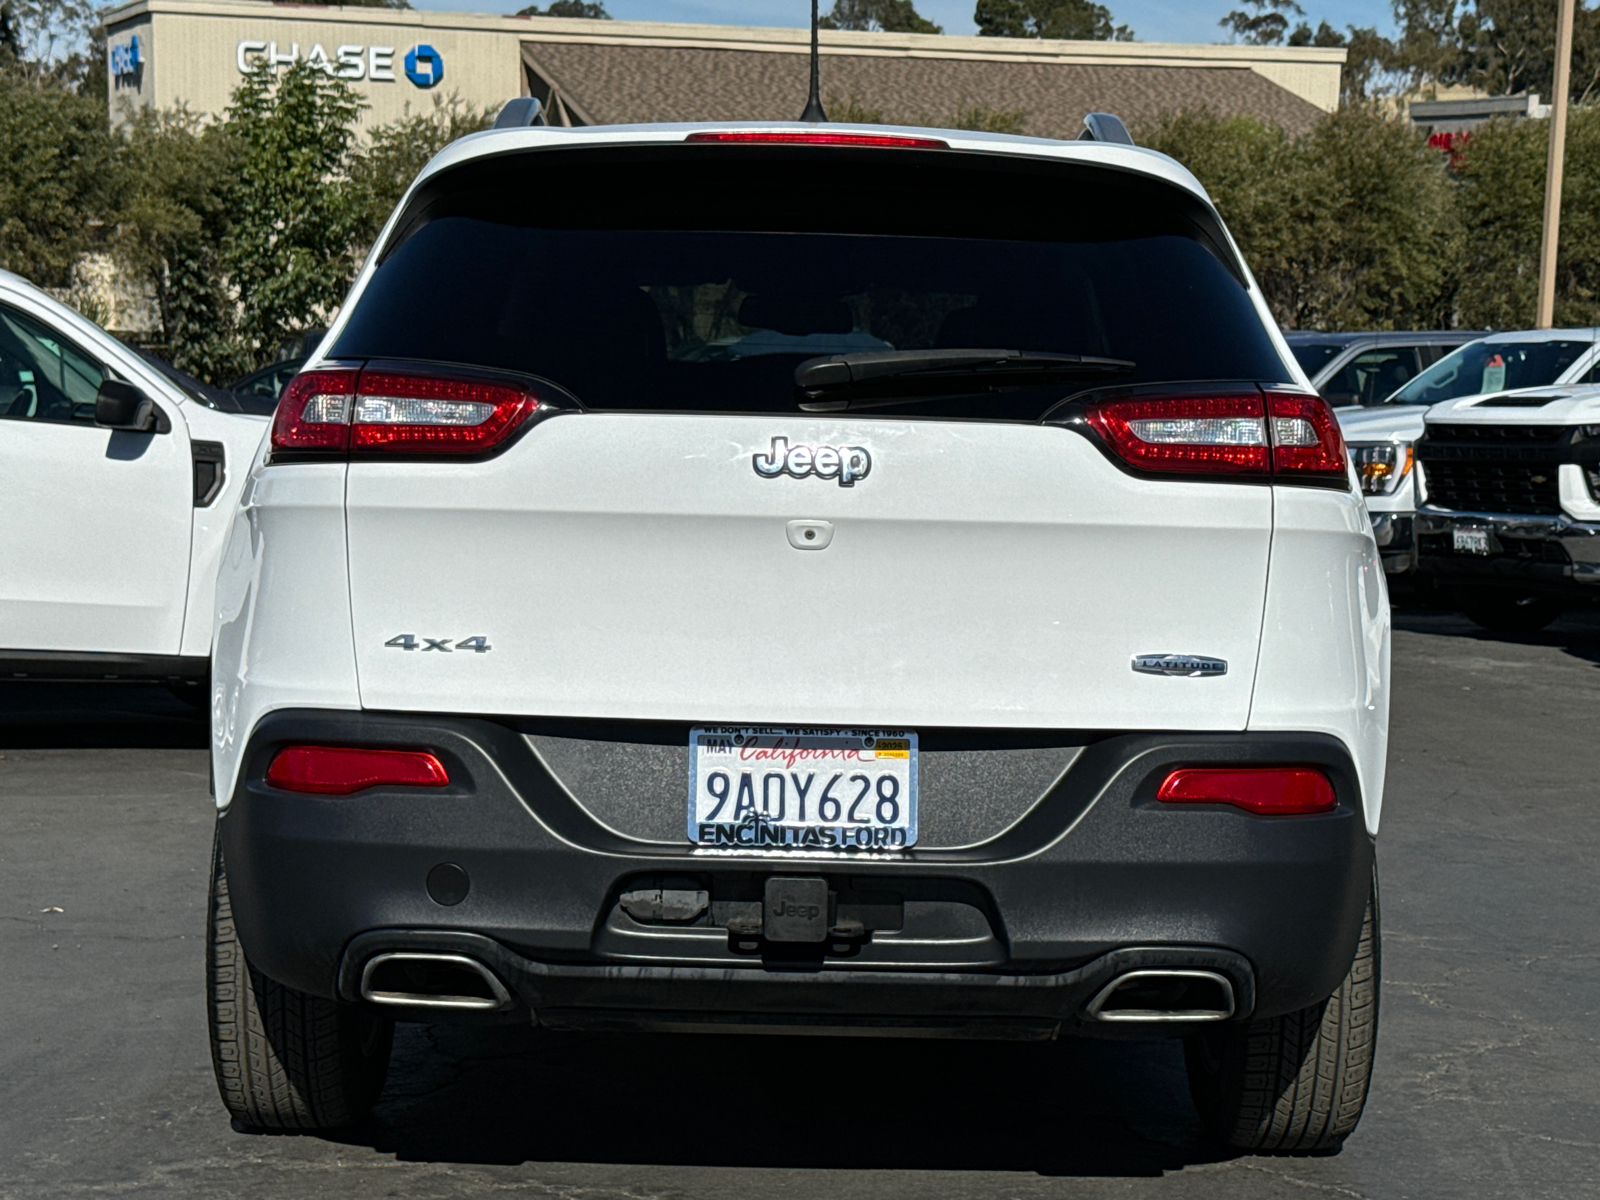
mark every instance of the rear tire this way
{"type": "Point", "coordinates": [1501, 611]}
{"type": "Point", "coordinates": [1294, 1084]}
{"type": "Point", "coordinates": [285, 1059]}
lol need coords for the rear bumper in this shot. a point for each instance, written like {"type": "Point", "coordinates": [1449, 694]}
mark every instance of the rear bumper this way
{"type": "Point", "coordinates": [1555, 555]}
{"type": "Point", "coordinates": [1016, 933]}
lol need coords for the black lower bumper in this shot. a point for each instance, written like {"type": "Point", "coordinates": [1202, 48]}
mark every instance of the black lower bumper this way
{"type": "Point", "coordinates": [1544, 555]}
{"type": "Point", "coordinates": [1097, 878]}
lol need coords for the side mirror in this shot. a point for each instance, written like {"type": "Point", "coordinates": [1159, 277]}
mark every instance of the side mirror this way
{"type": "Point", "coordinates": [119, 405]}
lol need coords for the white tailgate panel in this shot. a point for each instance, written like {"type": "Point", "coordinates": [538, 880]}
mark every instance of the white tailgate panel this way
{"type": "Point", "coordinates": [636, 566]}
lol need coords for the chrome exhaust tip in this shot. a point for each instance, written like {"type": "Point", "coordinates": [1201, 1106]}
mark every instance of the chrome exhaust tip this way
{"type": "Point", "coordinates": [419, 979]}
{"type": "Point", "coordinates": [1164, 995]}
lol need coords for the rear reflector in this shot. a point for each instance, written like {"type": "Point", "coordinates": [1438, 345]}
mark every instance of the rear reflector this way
{"type": "Point", "coordinates": [388, 412]}
{"type": "Point", "coordinates": [1268, 791]}
{"type": "Point", "coordinates": [775, 137]}
{"type": "Point", "coordinates": [338, 771]}
{"type": "Point", "coordinates": [1286, 436]}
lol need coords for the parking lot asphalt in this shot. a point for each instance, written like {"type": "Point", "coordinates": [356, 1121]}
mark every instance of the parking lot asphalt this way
{"type": "Point", "coordinates": [1487, 1079]}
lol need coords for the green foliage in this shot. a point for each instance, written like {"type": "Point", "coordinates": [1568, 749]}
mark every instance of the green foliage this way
{"type": "Point", "coordinates": [291, 253]}
{"type": "Point", "coordinates": [1502, 210]}
{"type": "Point", "coordinates": [983, 119]}
{"type": "Point", "coordinates": [1351, 226]}
{"type": "Point", "coordinates": [173, 218]}
{"type": "Point", "coordinates": [1082, 20]}
{"type": "Point", "coordinates": [890, 16]}
{"type": "Point", "coordinates": [58, 179]}
{"type": "Point", "coordinates": [396, 152]}
{"type": "Point", "coordinates": [1262, 22]}
{"type": "Point", "coordinates": [568, 8]}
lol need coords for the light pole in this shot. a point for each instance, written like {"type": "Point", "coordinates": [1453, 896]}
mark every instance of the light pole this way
{"type": "Point", "coordinates": [1552, 175]}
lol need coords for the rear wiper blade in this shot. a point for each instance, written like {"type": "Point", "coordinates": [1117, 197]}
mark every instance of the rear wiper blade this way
{"type": "Point", "coordinates": [839, 381]}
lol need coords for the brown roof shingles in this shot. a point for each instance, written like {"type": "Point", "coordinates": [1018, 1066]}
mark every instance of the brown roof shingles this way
{"type": "Point", "coordinates": [614, 84]}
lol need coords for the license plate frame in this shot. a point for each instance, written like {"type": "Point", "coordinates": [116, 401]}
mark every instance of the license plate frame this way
{"type": "Point", "coordinates": [1472, 539]}
{"type": "Point", "coordinates": [788, 789]}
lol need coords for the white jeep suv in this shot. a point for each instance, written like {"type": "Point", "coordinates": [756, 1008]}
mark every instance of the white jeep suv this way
{"type": "Point", "coordinates": [797, 578]}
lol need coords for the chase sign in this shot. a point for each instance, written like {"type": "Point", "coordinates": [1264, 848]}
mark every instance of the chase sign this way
{"type": "Point", "coordinates": [127, 60]}
{"type": "Point", "coordinates": [424, 65]}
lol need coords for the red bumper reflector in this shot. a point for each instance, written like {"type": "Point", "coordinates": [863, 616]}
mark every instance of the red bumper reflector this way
{"type": "Point", "coordinates": [777, 137]}
{"type": "Point", "coordinates": [1268, 791]}
{"type": "Point", "coordinates": [340, 770]}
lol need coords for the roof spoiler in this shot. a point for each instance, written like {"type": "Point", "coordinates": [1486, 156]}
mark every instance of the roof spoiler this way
{"type": "Point", "coordinates": [524, 111]}
{"type": "Point", "coordinates": [1099, 127]}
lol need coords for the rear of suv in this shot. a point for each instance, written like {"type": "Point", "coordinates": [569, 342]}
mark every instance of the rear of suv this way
{"type": "Point", "coordinates": [787, 579]}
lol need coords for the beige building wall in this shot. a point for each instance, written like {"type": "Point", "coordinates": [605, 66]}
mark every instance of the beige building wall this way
{"type": "Point", "coordinates": [191, 50]}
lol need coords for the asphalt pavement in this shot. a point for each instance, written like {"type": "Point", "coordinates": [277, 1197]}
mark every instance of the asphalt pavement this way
{"type": "Point", "coordinates": [1487, 1080]}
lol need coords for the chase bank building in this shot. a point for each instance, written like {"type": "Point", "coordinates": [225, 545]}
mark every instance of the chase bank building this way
{"type": "Point", "coordinates": [194, 52]}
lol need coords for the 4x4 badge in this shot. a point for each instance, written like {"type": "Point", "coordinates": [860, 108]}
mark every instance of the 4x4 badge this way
{"type": "Point", "coordinates": [1179, 664]}
{"type": "Point", "coordinates": [844, 463]}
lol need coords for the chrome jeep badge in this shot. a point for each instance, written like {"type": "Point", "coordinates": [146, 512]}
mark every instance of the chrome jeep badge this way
{"type": "Point", "coordinates": [844, 463]}
{"type": "Point", "coordinates": [1188, 665]}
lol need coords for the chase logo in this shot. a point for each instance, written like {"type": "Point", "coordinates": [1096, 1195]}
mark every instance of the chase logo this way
{"type": "Point", "coordinates": [424, 66]}
{"type": "Point", "coordinates": [126, 60]}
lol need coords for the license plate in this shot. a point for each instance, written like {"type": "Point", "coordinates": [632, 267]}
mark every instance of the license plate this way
{"type": "Point", "coordinates": [1471, 541]}
{"type": "Point", "coordinates": [767, 788]}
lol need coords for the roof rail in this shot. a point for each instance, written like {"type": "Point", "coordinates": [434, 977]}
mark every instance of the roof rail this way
{"type": "Point", "coordinates": [1103, 127]}
{"type": "Point", "coordinates": [524, 110]}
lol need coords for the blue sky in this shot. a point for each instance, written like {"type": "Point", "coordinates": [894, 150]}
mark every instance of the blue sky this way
{"type": "Point", "coordinates": [1152, 20]}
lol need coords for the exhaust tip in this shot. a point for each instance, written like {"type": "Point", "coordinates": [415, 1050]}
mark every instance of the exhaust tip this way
{"type": "Point", "coordinates": [418, 979]}
{"type": "Point", "coordinates": [1164, 995]}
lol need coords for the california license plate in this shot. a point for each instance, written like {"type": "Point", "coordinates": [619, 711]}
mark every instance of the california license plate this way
{"type": "Point", "coordinates": [767, 788]}
{"type": "Point", "coordinates": [1468, 540]}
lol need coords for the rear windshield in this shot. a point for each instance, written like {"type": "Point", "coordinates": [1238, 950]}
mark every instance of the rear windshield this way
{"type": "Point", "coordinates": [1313, 356]}
{"type": "Point", "coordinates": [699, 280]}
{"type": "Point", "coordinates": [1491, 366]}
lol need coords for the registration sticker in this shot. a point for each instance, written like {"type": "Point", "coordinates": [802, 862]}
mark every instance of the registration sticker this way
{"type": "Point", "coordinates": [782, 788]}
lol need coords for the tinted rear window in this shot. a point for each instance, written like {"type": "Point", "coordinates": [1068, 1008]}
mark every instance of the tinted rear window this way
{"type": "Point", "coordinates": [699, 279]}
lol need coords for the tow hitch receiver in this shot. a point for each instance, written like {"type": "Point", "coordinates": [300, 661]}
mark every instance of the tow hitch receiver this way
{"type": "Point", "coordinates": [796, 909]}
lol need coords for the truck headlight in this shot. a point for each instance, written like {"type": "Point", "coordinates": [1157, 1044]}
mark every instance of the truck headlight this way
{"type": "Point", "coordinates": [1381, 467]}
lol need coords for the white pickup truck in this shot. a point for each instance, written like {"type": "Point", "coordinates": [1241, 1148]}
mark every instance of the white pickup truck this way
{"type": "Point", "coordinates": [120, 475]}
{"type": "Point", "coordinates": [1510, 515]}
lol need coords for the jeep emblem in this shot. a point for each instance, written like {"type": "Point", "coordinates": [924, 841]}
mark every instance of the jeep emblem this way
{"type": "Point", "coordinates": [844, 463]}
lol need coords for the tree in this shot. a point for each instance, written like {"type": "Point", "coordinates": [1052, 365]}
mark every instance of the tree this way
{"type": "Point", "coordinates": [1262, 22]}
{"type": "Point", "coordinates": [57, 185]}
{"type": "Point", "coordinates": [1082, 20]}
{"type": "Point", "coordinates": [890, 16]}
{"type": "Point", "coordinates": [396, 152]}
{"type": "Point", "coordinates": [568, 8]}
{"type": "Point", "coordinates": [291, 253]}
{"type": "Point", "coordinates": [1350, 226]}
{"type": "Point", "coordinates": [172, 221]}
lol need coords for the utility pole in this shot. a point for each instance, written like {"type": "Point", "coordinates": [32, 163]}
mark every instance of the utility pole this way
{"type": "Point", "coordinates": [1552, 174]}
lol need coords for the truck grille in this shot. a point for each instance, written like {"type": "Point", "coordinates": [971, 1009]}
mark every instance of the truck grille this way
{"type": "Point", "coordinates": [1502, 435]}
{"type": "Point", "coordinates": [1503, 487]}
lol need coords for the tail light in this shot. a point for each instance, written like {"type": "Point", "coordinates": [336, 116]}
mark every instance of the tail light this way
{"type": "Point", "coordinates": [339, 770]}
{"type": "Point", "coordinates": [797, 137]}
{"type": "Point", "coordinates": [1267, 791]}
{"type": "Point", "coordinates": [1274, 434]}
{"type": "Point", "coordinates": [393, 412]}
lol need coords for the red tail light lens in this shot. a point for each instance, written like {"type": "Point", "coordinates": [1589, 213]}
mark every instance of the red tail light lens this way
{"type": "Point", "coordinates": [1267, 791]}
{"type": "Point", "coordinates": [1221, 434]}
{"type": "Point", "coordinates": [438, 416]}
{"type": "Point", "coordinates": [1286, 436]}
{"type": "Point", "coordinates": [777, 137]}
{"type": "Point", "coordinates": [338, 771]}
{"type": "Point", "coordinates": [314, 412]}
{"type": "Point", "coordinates": [1306, 441]}
{"type": "Point", "coordinates": [390, 412]}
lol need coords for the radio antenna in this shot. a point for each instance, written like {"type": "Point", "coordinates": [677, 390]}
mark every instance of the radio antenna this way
{"type": "Point", "coordinates": [813, 112]}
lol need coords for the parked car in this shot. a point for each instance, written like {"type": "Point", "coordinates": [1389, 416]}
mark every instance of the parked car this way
{"type": "Point", "coordinates": [121, 475]}
{"type": "Point", "coordinates": [1510, 518]}
{"type": "Point", "coordinates": [1382, 437]}
{"type": "Point", "coordinates": [1366, 368]}
{"type": "Point", "coordinates": [268, 381]}
{"type": "Point", "coordinates": [567, 671]}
